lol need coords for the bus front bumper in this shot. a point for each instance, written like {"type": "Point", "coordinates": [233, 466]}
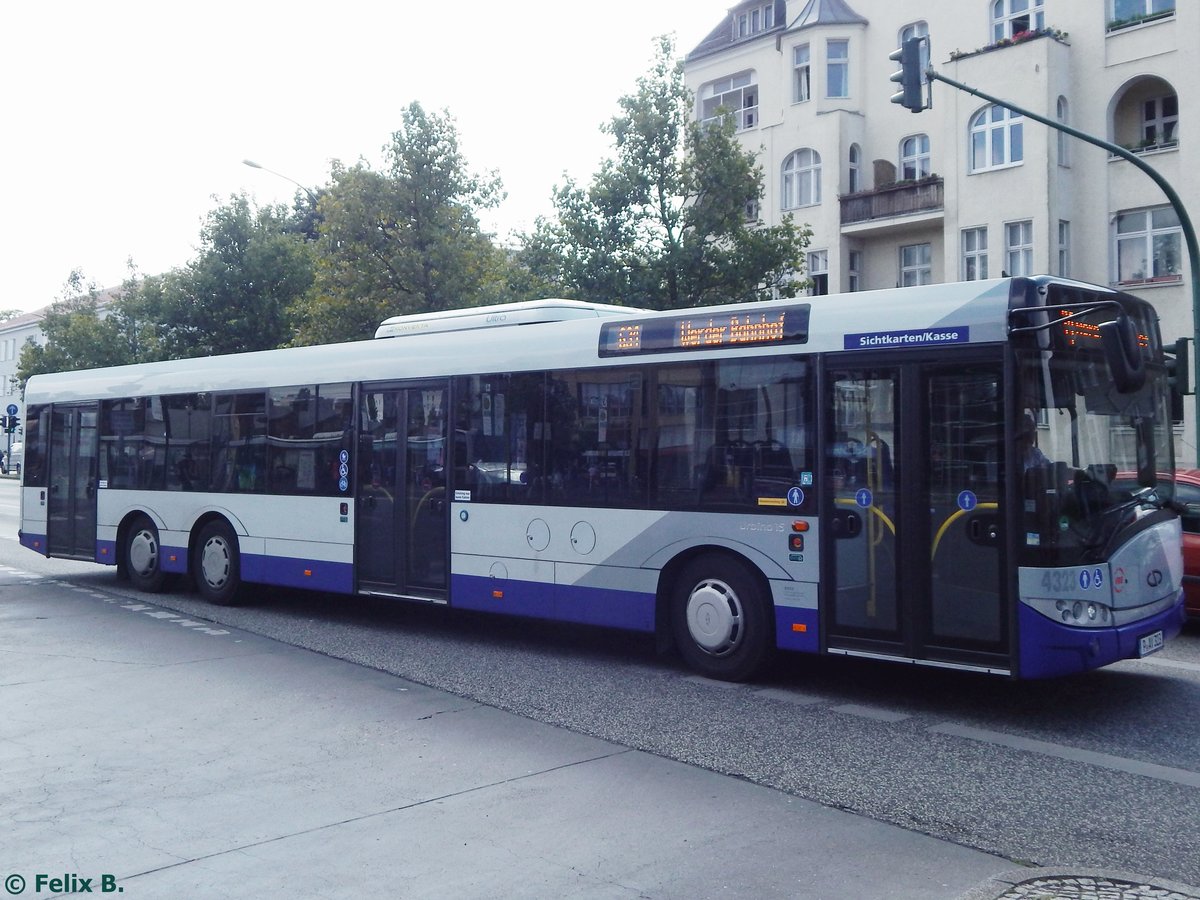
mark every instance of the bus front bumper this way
{"type": "Point", "coordinates": [1049, 648]}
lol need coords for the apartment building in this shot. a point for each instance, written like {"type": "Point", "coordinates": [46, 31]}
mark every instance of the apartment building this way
{"type": "Point", "coordinates": [969, 190]}
{"type": "Point", "coordinates": [14, 333]}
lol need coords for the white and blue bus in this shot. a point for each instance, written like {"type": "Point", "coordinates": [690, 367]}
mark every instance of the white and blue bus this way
{"type": "Point", "coordinates": [970, 476]}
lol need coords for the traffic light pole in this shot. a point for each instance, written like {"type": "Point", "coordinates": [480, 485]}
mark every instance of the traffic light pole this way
{"type": "Point", "coordinates": [1185, 222]}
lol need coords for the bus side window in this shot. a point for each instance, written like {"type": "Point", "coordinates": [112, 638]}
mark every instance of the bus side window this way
{"type": "Point", "coordinates": [188, 425]}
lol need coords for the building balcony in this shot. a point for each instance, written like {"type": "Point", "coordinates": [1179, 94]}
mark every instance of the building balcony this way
{"type": "Point", "coordinates": [901, 203]}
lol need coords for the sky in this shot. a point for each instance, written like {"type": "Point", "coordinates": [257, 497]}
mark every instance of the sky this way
{"type": "Point", "coordinates": [127, 121]}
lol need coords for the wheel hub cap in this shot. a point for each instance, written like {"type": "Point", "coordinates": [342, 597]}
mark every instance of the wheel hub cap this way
{"type": "Point", "coordinates": [215, 563]}
{"type": "Point", "coordinates": [143, 553]}
{"type": "Point", "coordinates": [714, 617]}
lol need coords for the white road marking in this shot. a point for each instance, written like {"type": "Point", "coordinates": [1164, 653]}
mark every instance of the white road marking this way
{"type": "Point", "coordinates": [1073, 754]}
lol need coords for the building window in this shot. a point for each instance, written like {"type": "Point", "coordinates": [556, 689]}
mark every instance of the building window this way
{"type": "Point", "coordinates": [1064, 248]}
{"type": "Point", "coordinates": [752, 21]}
{"type": "Point", "coordinates": [854, 271]}
{"type": "Point", "coordinates": [1130, 11]}
{"type": "Point", "coordinates": [1160, 120]}
{"type": "Point", "coordinates": [915, 30]}
{"type": "Point", "coordinates": [735, 96]}
{"type": "Point", "coordinates": [837, 68]}
{"type": "Point", "coordinates": [818, 272]}
{"type": "Point", "coordinates": [997, 139]}
{"type": "Point", "coordinates": [802, 74]}
{"type": "Point", "coordinates": [1063, 113]}
{"type": "Point", "coordinates": [914, 157]}
{"type": "Point", "coordinates": [751, 212]}
{"type": "Point", "coordinates": [801, 179]}
{"type": "Point", "coordinates": [1148, 246]}
{"type": "Point", "coordinates": [854, 171]}
{"type": "Point", "coordinates": [916, 264]}
{"type": "Point", "coordinates": [1013, 17]}
{"type": "Point", "coordinates": [1018, 248]}
{"type": "Point", "coordinates": [974, 254]}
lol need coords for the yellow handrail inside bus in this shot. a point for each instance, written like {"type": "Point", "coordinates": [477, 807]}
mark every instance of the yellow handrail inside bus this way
{"type": "Point", "coordinates": [875, 510]}
{"type": "Point", "coordinates": [958, 514]}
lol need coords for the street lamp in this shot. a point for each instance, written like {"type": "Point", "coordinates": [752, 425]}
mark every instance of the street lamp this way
{"type": "Point", "coordinates": [252, 164]}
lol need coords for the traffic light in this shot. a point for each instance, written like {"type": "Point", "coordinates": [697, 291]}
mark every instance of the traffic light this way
{"type": "Point", "coordinates": [7, 422]}
{"type": "Point", "coordinates": [911, 76]}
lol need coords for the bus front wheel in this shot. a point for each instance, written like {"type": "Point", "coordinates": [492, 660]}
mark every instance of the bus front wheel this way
{"type": "Point", "coordinates": [721, 619]}
{"type": "Point", "coordinates": [218, 564]}
{"type": "Point", "coordinates": [143, 556]}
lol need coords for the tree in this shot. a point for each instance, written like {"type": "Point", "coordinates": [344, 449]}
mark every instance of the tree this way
{"type": "Point", "coordinates": [253, 266]}
{"type": "Point", "coordinates": [665, 222]}
{"type": "Point", "coordinates": [403, 240]}
{"type": "Point", "coordinates": [78, 332]}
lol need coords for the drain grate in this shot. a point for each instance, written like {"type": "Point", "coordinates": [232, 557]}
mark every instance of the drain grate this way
{"type": "Point", "coordinates": [1084, 888]}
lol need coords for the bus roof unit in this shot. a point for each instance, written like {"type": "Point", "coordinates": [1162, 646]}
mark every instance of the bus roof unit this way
{"type": "Point", "coordinates": [530, 312]}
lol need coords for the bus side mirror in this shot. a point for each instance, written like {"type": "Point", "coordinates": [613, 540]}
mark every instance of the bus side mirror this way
{"type": "Point", "coordinates": [1125, 362]}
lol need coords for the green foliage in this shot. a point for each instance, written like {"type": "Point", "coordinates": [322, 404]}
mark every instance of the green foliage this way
{"type": "Point", "coordinates": [664, 222]}
{"type": "Point", "coordinates": [404, 240]}
{"type": "Point", "coordinates": [252, 266]}
{"type": "Point", "coordinates": [233, 297]}
{"type": "Point", "coordinates": [78, 334]}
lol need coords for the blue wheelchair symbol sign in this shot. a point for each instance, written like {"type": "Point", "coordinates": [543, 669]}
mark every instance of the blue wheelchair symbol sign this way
{"type": "Point", "coordinates": [967, 501]}
{"type": "Point", "coordinates": [864, 498]}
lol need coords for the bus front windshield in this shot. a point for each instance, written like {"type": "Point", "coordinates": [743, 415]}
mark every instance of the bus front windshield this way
{"type": "Point", "coordinates": [1093, 460]}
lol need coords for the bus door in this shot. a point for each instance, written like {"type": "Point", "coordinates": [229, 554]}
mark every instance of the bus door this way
{"type": "Point", "coordinates": [914, 467]}
{"type": "Point", "coordinates": [71, 500]}
{"type": "Point", "coordinates": [402, 510]}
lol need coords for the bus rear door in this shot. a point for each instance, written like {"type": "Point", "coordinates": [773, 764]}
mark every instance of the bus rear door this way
{"type": "Point", "coordinates": [71, 504]}
{"type": "Point", "coordinates": [914, 468]}
{"type": "Point", "coordinates": [402, 509]}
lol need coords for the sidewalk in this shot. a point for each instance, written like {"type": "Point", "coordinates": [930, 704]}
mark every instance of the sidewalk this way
{"type": "Point", "coordinates": [171, 757]}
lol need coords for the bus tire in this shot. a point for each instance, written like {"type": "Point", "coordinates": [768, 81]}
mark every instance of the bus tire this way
{"type": "Point", "coordinates": [142, 556]}
{"type": "Point", "coordinates": [721, 618]}
{"type": "Point", "coordinates": [218, 564]}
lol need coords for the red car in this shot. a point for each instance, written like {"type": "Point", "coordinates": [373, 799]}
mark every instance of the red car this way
{"type": "Point", "coordinates": [1187, 492]}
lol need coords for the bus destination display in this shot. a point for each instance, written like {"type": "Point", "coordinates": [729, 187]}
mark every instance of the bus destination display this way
{"type": "Point", "coordinates": [1080, 333]}
{"type": "Point", "coordinates": [708, 331]}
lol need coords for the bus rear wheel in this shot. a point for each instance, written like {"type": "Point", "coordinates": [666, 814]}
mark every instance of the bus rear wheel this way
{"type": "Point", "coordinates": [143, 556]}
{"type": "Point", "coordinates": [721, 618]}
{"type": "Point", "coordinates": [218, 565]}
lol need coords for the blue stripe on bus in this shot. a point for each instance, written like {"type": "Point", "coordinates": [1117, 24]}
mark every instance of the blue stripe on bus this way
{"type": "Point", "coordinates": [564, 603]}
{"type": "Point", "coordinates": [174, 560]}
{"type": "Point", "coordinates": [36, 542]}
{"type": "Point", "coordinates": [316, 575]}
{"type": "Point", "coordinates": [1049, 649]}
{"type": "Point", "coordinates": [796, 629]}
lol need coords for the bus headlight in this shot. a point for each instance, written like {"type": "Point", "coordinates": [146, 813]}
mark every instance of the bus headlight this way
{"type": "Point", "coordinates": [1087, 614]}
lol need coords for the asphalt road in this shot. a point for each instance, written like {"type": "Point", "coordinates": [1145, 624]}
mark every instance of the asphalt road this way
{"type": "Point", "coordinates": [1100, 770]}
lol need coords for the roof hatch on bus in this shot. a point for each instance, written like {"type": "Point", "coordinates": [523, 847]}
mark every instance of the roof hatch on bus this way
{"type": "Point", "coordinates": [530, 312]}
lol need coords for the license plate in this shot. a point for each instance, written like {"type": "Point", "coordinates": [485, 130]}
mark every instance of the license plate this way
{"type": "Point", "coordinates": [1150, 643]}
